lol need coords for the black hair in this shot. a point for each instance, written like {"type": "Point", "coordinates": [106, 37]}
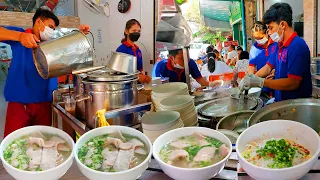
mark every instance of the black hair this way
{"type": "Point", "coordinates": [278, 12]}
{"type": "Point", "coordinates": [215, 51]}
{"type": "Point", "coordinates": [239, 48]}
{"type": "Point", "coordinates": [211, 62]}
{"type": "Point", "coordinates": [44, 14]}
{"type": "Point", "coordinates": [259, 27]}
{"type": "Point", "coordinates": [129, 24]}
{"type": "Point", "coordinates": [244, 55]}
{"type": "Point", "coordinates": [174, 52]}
{"type": "Point", "coordinates": [233, 47]}
{"type": "Point", "coordinates": [209, 49]}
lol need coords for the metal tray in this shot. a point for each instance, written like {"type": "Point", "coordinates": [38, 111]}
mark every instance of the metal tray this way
{"type": "Point", "coordinates": [225, 106]}
{"type": "Point", "coordinates": [306, 111]}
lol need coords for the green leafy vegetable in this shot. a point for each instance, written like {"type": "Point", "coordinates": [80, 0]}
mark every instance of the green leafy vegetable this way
{"type": "Point", "coordinates": [281, 152]}
{"type": "Point", "coordinates": [7, 154]}
{"type": "Point", "coordinates": [193, 150]}
{"type": "Point", "coordinates": [214, 142]}
{"type": "Point", "coordinates": [83, 152]}
{"type": "Point", "coordinates": [204, 163]}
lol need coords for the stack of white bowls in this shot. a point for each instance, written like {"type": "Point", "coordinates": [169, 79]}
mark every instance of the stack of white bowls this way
{"type": "Point", "coordinates": [184, 104]}
{"type": "Point", "coordinates": [163, 91]}
{"type": "Point", "coordinates": [155, 124]}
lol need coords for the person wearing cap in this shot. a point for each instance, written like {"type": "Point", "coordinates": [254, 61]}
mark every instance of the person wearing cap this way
{"type": "Point", "coordinates": [128, 46]}
{"type": "Point", "coordinates": [173, 68]}
{"type": "Point", "coordinates": [260, 52]}
{"type": "Point", "coordinates": [29, 96]}
{"type": "Point", "coordinates": [291, 59]}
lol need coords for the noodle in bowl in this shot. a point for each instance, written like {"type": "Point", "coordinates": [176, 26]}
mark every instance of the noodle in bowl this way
{"type": "Point", "coordinates": [254, 146]}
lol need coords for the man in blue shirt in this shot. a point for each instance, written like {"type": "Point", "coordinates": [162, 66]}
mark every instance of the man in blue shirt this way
{"type": "Point", "coordinates": [291, 60]}
{"type": "Point", "coordinates": [173, 68]}
{"type": "Point", "coordinates": [29, 96]}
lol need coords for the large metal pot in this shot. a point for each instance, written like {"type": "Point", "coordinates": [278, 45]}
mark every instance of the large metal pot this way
{"type": "Point", "coordinates": [63, 55]}
{"type": "Point", "coordinates": [306, 111]}
{"type": "Point", "coordinates": [110, 96]}
{"type": "Point", "coordinates": [79, 94]}
{"type": "Point", "coordinates": [108, 90]}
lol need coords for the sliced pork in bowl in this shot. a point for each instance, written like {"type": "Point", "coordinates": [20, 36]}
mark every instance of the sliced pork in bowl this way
{"type": "Point", "coordinates": [192, 153]}
{"type": "Point", "coordinates": [113, 152]}
{"type": "Point", "coordinates": [37, 153]}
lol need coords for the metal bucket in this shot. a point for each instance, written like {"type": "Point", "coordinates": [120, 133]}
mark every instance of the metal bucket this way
{"type": "Point", "coordinates": [63, 55]}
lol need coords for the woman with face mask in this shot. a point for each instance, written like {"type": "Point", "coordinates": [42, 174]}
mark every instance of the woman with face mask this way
{"type": "Point", "coordinates": [128, 46]}
{"type": "Point", "coordinates": [261, 51]}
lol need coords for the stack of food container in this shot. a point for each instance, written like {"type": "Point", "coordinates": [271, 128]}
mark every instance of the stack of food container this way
{"type": "Point", "coordinates": [184, 104]}
{"type": "Point", "coordinates": [156, 123]}
{"type": "Point", "coordinates": [163, 91]}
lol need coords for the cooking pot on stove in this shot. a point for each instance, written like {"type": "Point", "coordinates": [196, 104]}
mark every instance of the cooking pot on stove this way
{"type": "Point", "coordinates": [108, 90]}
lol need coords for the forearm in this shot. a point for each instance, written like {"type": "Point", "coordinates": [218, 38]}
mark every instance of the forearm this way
{"type": "Point", "coordinates": [202, 81]}
{"type": "Point", "coordinates": [284, 84]}
{"type": "Point", "coordinates": [9, 35]}
{"type": "Point", "coordinates": [264, 72]}
{"type": "Point", "coordinates": [251, 70]}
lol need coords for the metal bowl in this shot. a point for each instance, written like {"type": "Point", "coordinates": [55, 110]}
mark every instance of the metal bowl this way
{"type": "Point", "coordinates": [236, 122]}
{"type": "Point", "coordinates": [122, 62]}
{"type": "Point", "coordinates": [306, 111]}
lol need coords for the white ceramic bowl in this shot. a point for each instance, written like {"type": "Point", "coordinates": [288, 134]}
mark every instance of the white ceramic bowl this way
{"type": "Point", "coordinates": [169, 89]}
{"type": "Point", "coordinates": [254, 92]}
{"type": "Point", "coordinates": [51, 174]}
{"type": "Point", "coordinates": [192, 173]}
{"type": "Point", "coordinates": [153, 135]}
{"type": "Point", "coordinates": [189, 121]}
{"type": "Point", "coordinates": [129, 174]}
{"type": "Point", "coordinates": [296, 131]}
{"type": "Point", "coordinates": [178, 101]}
{"type": "Point", "coordinates": [161, 120]}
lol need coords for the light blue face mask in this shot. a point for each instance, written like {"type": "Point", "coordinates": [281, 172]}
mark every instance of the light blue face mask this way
{"type": "Point", "coordinates": [262, 41]}
{"type": "Point", "coordinates": [275, 36]}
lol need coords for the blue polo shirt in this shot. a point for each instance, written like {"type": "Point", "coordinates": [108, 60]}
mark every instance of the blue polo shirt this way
{"type": "Point", "coordinates": [259, 56]}
{"type": "Point", "coordinates": [292, 60]}
{"type": "Point", "coordinates": [133, 50]}
{"type": "Point", "coordinates": [24, 84]}
{"type": "Point", "coordinates": [165, 69]}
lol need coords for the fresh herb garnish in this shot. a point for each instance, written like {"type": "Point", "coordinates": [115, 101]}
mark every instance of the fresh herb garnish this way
{"type": "Point", "coordinates": [281, 152]}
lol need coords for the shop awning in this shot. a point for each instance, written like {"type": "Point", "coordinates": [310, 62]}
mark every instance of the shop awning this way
{"type": "Point", "coordinates": [216, 13]}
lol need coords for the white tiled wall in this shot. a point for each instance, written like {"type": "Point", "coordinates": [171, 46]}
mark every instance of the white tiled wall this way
{"type": "Point", "coordinates": [108, 31]}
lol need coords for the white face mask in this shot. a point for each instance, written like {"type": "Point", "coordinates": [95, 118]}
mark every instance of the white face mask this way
{"type": "Point", "coordinates": [262, 41]}
{"type": "Point", "coordinates": [178, 66]}
{"type": "Point", "coordinates": [275, 36]}
{"type": "Point", "coordinates": [47, 34]}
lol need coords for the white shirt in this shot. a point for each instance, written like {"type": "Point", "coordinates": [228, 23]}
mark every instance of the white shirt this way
{"type": "Point", "coordinates": [221, 68]}
{"type": "Point", "coordinates": [241, 66]}
{"type": "Point", "coordinates": [232, 54]}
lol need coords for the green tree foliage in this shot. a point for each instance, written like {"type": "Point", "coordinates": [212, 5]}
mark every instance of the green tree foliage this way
{"type": "Point", "coordinates": [206, 34]}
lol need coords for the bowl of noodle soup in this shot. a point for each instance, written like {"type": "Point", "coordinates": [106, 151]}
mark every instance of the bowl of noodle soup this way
{"type": "Point", "coordinates": [278, 149]}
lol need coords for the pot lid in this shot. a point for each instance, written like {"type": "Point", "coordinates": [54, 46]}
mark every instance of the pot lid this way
{"type": "Point", "coordinates": [225, 106]}
{"type": "Point", "coordinates": [109, 75]}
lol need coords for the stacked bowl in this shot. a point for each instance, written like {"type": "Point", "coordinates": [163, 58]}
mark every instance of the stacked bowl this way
{"type": "Point", "coordinates": [163, 91]}
{"type": "Point", "coordinates": [184, 104]}
{"type": "Point", "coordinates": [156, 123]}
